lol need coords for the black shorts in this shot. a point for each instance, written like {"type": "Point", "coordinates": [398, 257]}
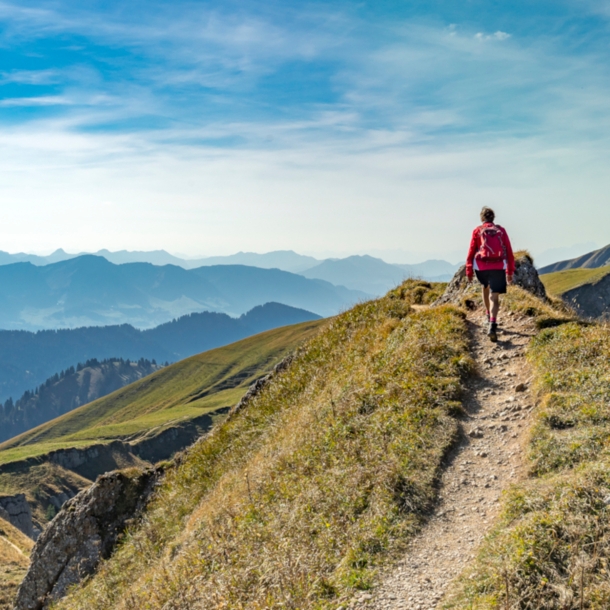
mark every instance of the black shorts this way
{"type": "Point", "coordinates": [494, 278]}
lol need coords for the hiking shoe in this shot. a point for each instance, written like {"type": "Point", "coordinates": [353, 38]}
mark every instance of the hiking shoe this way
{"type": "Point", "coordinates": [492, 333]}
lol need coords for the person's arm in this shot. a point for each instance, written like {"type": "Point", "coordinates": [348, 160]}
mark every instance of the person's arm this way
{"type": "Point", "coordinates": [510, 257]}
{"type": "Point", "coordinates": [472, 250]}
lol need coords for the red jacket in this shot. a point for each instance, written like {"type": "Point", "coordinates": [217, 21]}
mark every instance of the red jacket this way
{"type": "Point", "coordinates": [473, 258]}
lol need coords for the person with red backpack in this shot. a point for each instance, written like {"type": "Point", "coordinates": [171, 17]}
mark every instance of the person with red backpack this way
{"type": "Point", "coordinates": [491, 257]}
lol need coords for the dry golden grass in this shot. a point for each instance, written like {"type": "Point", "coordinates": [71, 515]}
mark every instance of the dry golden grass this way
{"type": "Point", "coordinates": [15, 549]}
{"type": "Point", "coordinates": [297, 500]}
{"type": "Point", "coordinates": [551, 548]}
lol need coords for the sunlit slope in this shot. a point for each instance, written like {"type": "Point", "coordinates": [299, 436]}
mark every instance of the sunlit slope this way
{"type": "Point", "coordinates": [181, 392]}
{"type": "Point", "coordinates": [561, 281]}
{"type": "Point", "coordinates": [297, 500]}
{"type": "Point", "coordinates": [15, 548]}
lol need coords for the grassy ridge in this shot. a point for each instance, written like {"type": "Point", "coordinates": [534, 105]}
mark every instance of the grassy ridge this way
{"type": "Point", "coordinates": [185, 390]}
{"type": "Point", "coordinates": [295, 501]}
{"type": "Point", "coordinates": [551, 548]}
{"type": "Point", "coordinates": [15, 549]}
{"type": "Point", "coordinates": [561, 281]}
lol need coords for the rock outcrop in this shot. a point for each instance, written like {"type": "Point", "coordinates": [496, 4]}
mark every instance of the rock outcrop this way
{"type": "Point", "coordinates": [85, 531]}
{"type": "Point", "coordinates": [94, 460]}
{"type": "Point", "coordinates": [590, 300]}
{"type": "Point", "coordinates": [17, 512]}
{"type": "Point", "coordinates": [88, 462]}
{"type": "Point", "coordinates": [525, 276]}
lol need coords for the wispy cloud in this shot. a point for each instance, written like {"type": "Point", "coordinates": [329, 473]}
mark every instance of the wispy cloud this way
{"type": "Point", "coordinates": [246, 118]}
{"type": "Point", "coordinates": [45, 100]}
{"type": "Point", "coordinates": [31, 77]}
{"type": "Point", "coordinates": [499, 35]}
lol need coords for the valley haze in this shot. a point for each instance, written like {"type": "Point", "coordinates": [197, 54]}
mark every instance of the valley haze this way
{"type": "Point", "coordinates": [90, 291]}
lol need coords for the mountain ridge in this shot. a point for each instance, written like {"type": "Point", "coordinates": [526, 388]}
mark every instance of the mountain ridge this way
{"type": "Point", "coordinates": [360, 272]}
{"type": "Point", "coordinates": [374, 275]}
{"type": "Point", "coordinates": [91, 291]}
{"type": "Point", "coordinates": [69, 390]}
{"type": "Point", "coordinates": [28, 358]}
{"type": "Point", "coordinates": [590, 260]}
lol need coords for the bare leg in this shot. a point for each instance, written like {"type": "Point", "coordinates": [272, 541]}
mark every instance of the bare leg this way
{"type": "Point", "coordinates": [486, 297]}
{"type": "Point", "coordinates": [495, 305]}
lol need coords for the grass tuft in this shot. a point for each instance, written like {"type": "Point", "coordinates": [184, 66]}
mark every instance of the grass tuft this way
{"type": "Point", "coordinates": [524, 254]}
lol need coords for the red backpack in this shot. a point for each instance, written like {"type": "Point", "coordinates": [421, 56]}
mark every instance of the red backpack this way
{"type": "Point", "coordinates": [492, 245]}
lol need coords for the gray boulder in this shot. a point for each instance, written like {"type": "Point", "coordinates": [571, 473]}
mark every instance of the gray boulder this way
{"type": "Point", "coordinates": [525, 276]}
{"type": "Point", "coordinates": [85, 531]}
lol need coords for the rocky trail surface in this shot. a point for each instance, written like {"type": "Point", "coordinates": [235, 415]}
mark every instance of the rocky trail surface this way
{"type": "Point", "coordinates": [487, 460]}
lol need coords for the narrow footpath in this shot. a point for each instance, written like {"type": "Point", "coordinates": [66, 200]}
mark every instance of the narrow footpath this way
{"type": "Point", "coordinates": [14, 547]}
{"type": "Point", "coordinates": [487, 460]}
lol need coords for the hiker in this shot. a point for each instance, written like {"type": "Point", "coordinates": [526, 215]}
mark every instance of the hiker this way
{"type": "Point", "coordinates": [491, 256]}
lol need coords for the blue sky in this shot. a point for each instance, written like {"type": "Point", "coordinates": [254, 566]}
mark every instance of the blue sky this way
{"type": "Point", "coordinates": [331, 127]}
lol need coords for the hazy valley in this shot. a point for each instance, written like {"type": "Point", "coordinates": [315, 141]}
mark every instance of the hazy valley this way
{"type": "Point", "coordinates": [27, 359]}
{"type": "Point", "coordinates": [91, 291]}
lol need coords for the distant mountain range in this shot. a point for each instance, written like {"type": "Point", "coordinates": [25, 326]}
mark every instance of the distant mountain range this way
{"type": "Point", "coordinates": [89, 290]}
{"type": "Point", "coordinates": [68, 390]}
{"type": "Point", "coordinates": [27, 359]}
{"type": "Point", "coordinates": [591, 260]}
{"type": "Point", "coordinates": [363, 273]}
{"type": "Point", "coordinates": [374, 275]}
{"type": "Point", "coordinates": [286, 260]}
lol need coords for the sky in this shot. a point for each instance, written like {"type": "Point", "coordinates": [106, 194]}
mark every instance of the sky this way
{"type": "Point", "coordinates": [329, 128]}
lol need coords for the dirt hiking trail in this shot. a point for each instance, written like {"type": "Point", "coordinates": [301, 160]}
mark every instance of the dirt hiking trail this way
{"type": "Point", "coordinates": [487, 460]}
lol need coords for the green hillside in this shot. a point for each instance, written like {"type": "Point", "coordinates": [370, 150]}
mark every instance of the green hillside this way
{"type": "Point", "coordinates": [178, 393]}
{"type": "Point", "coordinates": [561, 281]}
{"type": "Point", "coordinates": [68, 390]}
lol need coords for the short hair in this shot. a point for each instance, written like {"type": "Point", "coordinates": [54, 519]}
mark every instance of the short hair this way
{"type": "Point", "coordinates": [487, 215]}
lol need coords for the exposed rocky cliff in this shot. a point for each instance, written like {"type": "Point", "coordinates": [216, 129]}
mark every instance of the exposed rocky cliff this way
{"type": "Point", "coordinates": [16, 511]}
{"type": "Point", "coordinates": [73, 469]}
{"type": "Point", "coordinates": [590, 300]}
{"type": "Point", "coordinates": [525, 276]}
{"type": "Point", "coordinates": [83, 533]}
{"type": "Point", "coordinates": [94, 460]}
